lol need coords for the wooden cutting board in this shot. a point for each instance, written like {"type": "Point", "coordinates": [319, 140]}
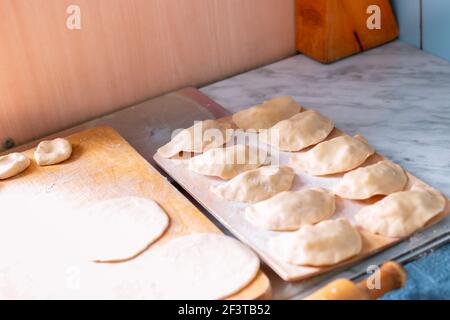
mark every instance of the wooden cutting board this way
{"type": "Point", "coordinates": [103, 165]}
{"type": "Point", "coordinates": [231, 214]}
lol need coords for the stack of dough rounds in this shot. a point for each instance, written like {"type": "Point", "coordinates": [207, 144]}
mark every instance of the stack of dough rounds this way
{"type": "Point", "coordinates": [290, 210]}
{"type": "Point", "coordinates": [402, 213]}
{"type": "Point", "coordinates": [256, 185]}
{"type": "Point", "coordinates": [266, 115]}
{"type": "Point", "coordinates": [227, 163]}
{"type": "Point", "coordinates": [198, 266]}
{"type": "Point", "coordinates": [326, 243]}
{"type": "Point", "coordinates": [13, 164]}
{"type": "Point", "coordinates": [381, 178]}
{"type": "Point", "coordinates": [337, 155]}
{"type": "Point", "coordinates": [202, 136]}
{"type": "Point", "coordinates": [53, 152]}
{"type": "Point", "coordinates": [298, 132]}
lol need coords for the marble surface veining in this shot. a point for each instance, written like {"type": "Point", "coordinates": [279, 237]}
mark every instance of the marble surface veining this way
{"type": "Point", "coordinates": [397, 96]}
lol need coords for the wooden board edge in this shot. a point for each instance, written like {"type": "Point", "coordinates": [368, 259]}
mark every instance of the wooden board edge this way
{"type": "Point", "coordinates": [260, 286]}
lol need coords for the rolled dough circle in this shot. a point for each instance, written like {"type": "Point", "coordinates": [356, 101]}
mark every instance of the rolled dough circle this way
{"type": "Point", "coordinates": [198, 266]}
{"type": "Point", "coordinates": [117, 229]}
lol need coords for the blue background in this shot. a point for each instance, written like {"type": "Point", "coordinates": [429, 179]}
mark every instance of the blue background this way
{"type": "Point", "coordinates": [425, 24]}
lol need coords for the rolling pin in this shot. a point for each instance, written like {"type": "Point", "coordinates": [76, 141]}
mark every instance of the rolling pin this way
{"type": "Point", "coordinates": [391, 276]}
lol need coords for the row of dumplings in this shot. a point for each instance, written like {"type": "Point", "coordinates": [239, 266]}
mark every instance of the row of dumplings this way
{"type": "Point", "coordinates": [280, 122]}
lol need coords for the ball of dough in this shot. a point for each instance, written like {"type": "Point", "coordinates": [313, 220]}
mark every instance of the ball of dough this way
{"type": "Point", "coordinates": [13, 164]}
{"type": "Point", "coordinates": [381, 178]}
{"type": "Point", "coordinates": [326, 243]}
{"type": "Point", "coordinates": [53, 152]}
{"type": "Point", "coordinates": [290, 210]}
{"type": "Point", "coordinates": [401, 213]}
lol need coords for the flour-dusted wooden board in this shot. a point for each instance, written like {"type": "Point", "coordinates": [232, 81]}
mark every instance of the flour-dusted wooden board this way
{"type": "Point", "coordinates": [103, 165]}
{"type": "Point", "coordinates": [231, 214]}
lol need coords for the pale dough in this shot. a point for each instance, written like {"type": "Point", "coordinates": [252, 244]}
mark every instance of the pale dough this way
{"type": "Point", "coordinates": [32, 227]}
{"type": "Point", "coordinates": [44, 238]}
{"type": "Point", "coordinates": [68, 279]}
{"type": "Point", "coordinates": [326, 243]}
{"type": "Point", "coordinates": [13, 164]}
{"type": "Point", "coordinates": [290, 210]}
{"type": "Point", "coordinates": [108, 230]}
{"type": "Point", "coordinates": [267, 114]}
{"type": "Point", "coordinates": [381, 178]}
{"type": "Point", "coordinates": [256, 185]}
{"type": "Point", "coordinates": [402, 213]}
{"type": "Point", "coordinates": [198, 266]}
{"type": "Point", "coordinates": [298, 132]}
{"type": "Point", "coordinates": [333, 156]}
{"type": "Point", "coordinates": [202, 136]}
{"type": "Point", "coordinates": [117, 229]}
{"type": "Point", "coordinates": [227, 163]}
{"type": "Point", "coordinates": [53, 152]}
{"type": "Point", "coordinates": [111, 230]}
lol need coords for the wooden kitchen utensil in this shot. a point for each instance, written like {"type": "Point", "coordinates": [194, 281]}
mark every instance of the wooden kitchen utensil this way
{"type": "Point", "coordinates": [391, 275]}
{"type": "Point", "coordinates": [103, 166]}
{"type": "Point", "coordinates": [328, 30]}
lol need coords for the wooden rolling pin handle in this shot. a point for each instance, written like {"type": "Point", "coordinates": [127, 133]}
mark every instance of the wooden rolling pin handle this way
{"type": "Point", "coordinates": [389, 277]}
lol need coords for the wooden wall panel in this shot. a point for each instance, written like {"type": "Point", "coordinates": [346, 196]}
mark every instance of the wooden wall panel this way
{"type": "Point", "coordinates": [126, 51]}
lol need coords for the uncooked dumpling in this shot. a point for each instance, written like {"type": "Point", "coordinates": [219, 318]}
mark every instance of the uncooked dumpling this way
{"type": "Point", "coordinates": [267, 114]}
{"type": "Point", "coordinates": [298, 132]}
{"type": "Point", "coordinates": [53, 152]}
{"type": "Point", "coordinates": [202, 136]}
{"type": "Point", "coordinates": [400, 214]}
{"type": "Point", "coordinates": [256, 185]}
{"type": "Point", "coordinates": [334, 156]}
{"type": "Point", "coordinates": [290, 210]}
{"type": "Point", "coordinates": [227, 163]}
{"type": "Point", "coordinates": [117, 229]}
{"type": "Point", "coordinates": [13, 164]}
{"type": "Point", "coordinates": [381, 178]}
{"type": "Point", "coordinates": [326, 243]}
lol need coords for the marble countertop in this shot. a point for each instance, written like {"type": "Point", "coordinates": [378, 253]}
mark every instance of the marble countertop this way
{"type": "Point", "coordinates": [397, 96]}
